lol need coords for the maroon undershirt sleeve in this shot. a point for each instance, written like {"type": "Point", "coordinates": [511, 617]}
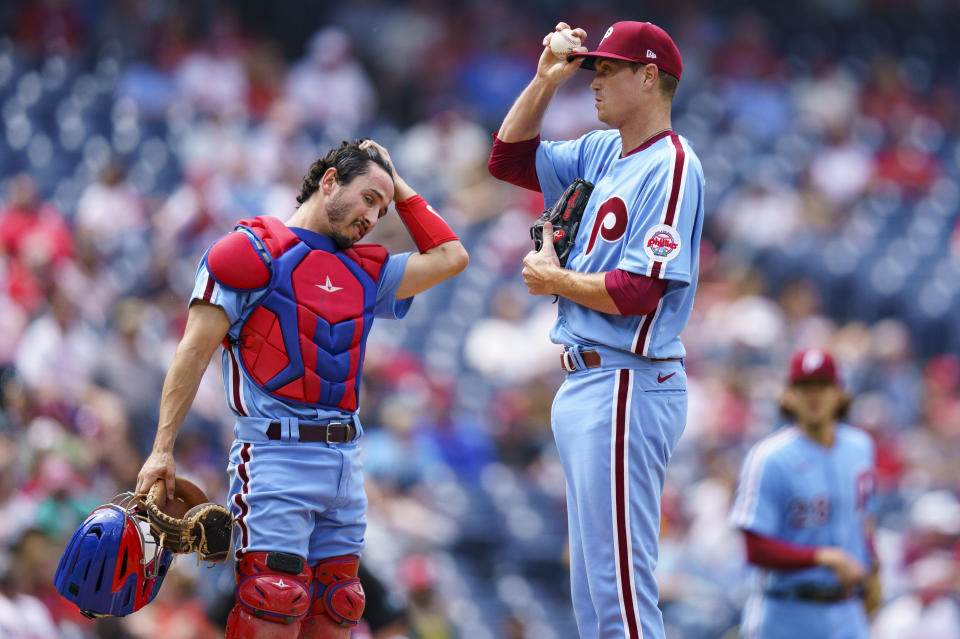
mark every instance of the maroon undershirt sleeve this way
{"type": "Point", "coordinates": [780, 555]}
{"type": "Point", "coordinates": [633, 294]}
{"type": "Point", "coordinates": [515, 162]}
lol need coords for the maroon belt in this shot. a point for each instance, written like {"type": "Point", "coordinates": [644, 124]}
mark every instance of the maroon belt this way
{"type": "Point", "coordinates": [591, 359]}
{"type": "Point", "coordinates": [332, 433]}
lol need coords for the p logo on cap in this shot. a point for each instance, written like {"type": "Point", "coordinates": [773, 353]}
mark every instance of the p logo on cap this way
{"type": "Point", "coordinates": [812, 364]}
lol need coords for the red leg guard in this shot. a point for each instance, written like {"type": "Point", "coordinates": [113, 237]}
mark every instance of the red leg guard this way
{"type": "Point", "coordinates": [274, 592]}
{"type": "Point", "coordinates": [338, 599]}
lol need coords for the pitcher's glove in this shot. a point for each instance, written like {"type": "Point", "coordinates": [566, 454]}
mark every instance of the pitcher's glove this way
{"type": "Point", "coordinates": [872, 592]}
{"type": "Point", "coordinates": [188, 523]}
{"type": "Point", "coordinates": [565, 216]}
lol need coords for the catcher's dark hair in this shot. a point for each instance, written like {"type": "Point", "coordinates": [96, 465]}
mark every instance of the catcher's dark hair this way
{"type": "Point", "coordinates": [667, 83]}
{"type": "Point", "coordinates": [348, 159]}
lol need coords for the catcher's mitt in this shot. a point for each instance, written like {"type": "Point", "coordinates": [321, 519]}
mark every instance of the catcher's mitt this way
{"type": "Point", "coordinates": [565, 216]}
{"type": "Point", "coordinates": [188, 523]}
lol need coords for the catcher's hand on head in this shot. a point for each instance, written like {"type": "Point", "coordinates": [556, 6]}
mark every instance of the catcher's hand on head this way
{"type": "Point", "coordinates": [188, 522]}
{"type": "Point", "coordinates": [382, 150]}
{"type": "Point", "coordinates": [402, 190]}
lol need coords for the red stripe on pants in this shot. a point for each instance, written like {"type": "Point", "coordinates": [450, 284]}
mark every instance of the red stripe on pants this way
{"type": "Point", "coordinates": [238, 498]}
{"type": "Point", "coordinates": [620, 502]}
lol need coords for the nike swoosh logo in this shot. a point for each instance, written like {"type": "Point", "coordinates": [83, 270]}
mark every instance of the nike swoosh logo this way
{"type": "Point", "coordinates": [662, 379]}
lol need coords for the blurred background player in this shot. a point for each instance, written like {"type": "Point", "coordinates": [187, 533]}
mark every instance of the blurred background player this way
{"type": "Point", "coordinates": [804, 505]}
{"type": "Point", "coordinates": [624, 297]}
{"type": "Point", "coordinates": [293, 304]}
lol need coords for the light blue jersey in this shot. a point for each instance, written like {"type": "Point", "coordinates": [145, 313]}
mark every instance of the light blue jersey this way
{"type": "Point", "coordinates": [795, 490]}
{"type": "Point", "coordinates": [616, 424]}
{"type": "Point", "coordinates": [645, 216]}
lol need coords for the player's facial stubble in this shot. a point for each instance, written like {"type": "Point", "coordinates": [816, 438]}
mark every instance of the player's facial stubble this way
{"type": "Point", "coordinates": [337, 210]}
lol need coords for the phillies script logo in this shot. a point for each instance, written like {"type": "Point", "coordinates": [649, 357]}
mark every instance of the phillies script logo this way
{"type": "Point", "coordinates": [661, 244]}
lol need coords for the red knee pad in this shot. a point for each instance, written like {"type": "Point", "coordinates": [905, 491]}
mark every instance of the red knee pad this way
{"type": "Point", "coordinates": [337, 591]}
{"type": "Point", "coordinates": [274, 593]}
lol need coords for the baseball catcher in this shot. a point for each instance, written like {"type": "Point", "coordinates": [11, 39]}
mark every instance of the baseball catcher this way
{"type": "Point", "coordinates": [564, 215]}
{"type": "Point", "coordinates": [188, 522]}
{"type": "Point", "coordinates": [291, 304]}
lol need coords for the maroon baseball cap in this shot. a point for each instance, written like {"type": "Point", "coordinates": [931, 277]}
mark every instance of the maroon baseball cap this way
{"type": "Point", "coordinates": [813, 364]}
{"type": "Point", "coordinates": [636, 42]}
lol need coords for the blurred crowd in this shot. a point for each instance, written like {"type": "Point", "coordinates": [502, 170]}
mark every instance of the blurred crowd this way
{"type": "Point", "coordinates": [136, 133]}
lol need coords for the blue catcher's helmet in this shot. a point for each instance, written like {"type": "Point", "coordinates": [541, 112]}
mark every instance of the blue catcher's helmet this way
{"type": "Point", "coordinates": [104, 570]}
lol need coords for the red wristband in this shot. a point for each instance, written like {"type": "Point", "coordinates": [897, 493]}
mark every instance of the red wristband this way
{"type": "Point", "coordinates": [424, 224]}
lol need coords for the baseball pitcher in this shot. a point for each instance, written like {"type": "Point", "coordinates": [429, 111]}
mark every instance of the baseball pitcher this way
{"type": "Point", "coordinates": [625, 290]}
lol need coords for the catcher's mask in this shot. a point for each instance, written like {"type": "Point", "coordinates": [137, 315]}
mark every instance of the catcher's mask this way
{"type": "Point", "coordinates": [104, 570]}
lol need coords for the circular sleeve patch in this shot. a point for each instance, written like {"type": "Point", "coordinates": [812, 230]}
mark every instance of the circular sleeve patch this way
{"type": "Point", "coordinates": [661, 243]}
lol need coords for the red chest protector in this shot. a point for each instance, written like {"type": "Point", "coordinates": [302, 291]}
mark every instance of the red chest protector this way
{"type": "Point", "coordinates": [304, 340]}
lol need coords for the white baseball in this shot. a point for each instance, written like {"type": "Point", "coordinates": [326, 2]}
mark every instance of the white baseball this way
{"type": "Point", "coordinates": [563, 42]}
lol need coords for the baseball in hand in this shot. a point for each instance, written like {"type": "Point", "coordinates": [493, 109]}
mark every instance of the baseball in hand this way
{"type": "Point", "coordinates": [563, 42]}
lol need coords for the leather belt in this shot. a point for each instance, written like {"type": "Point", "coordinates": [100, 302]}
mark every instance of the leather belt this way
{"type": "Point", "coordinates": [591, 359]}
{"type": "Point", "coordinates": [332, 433]}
